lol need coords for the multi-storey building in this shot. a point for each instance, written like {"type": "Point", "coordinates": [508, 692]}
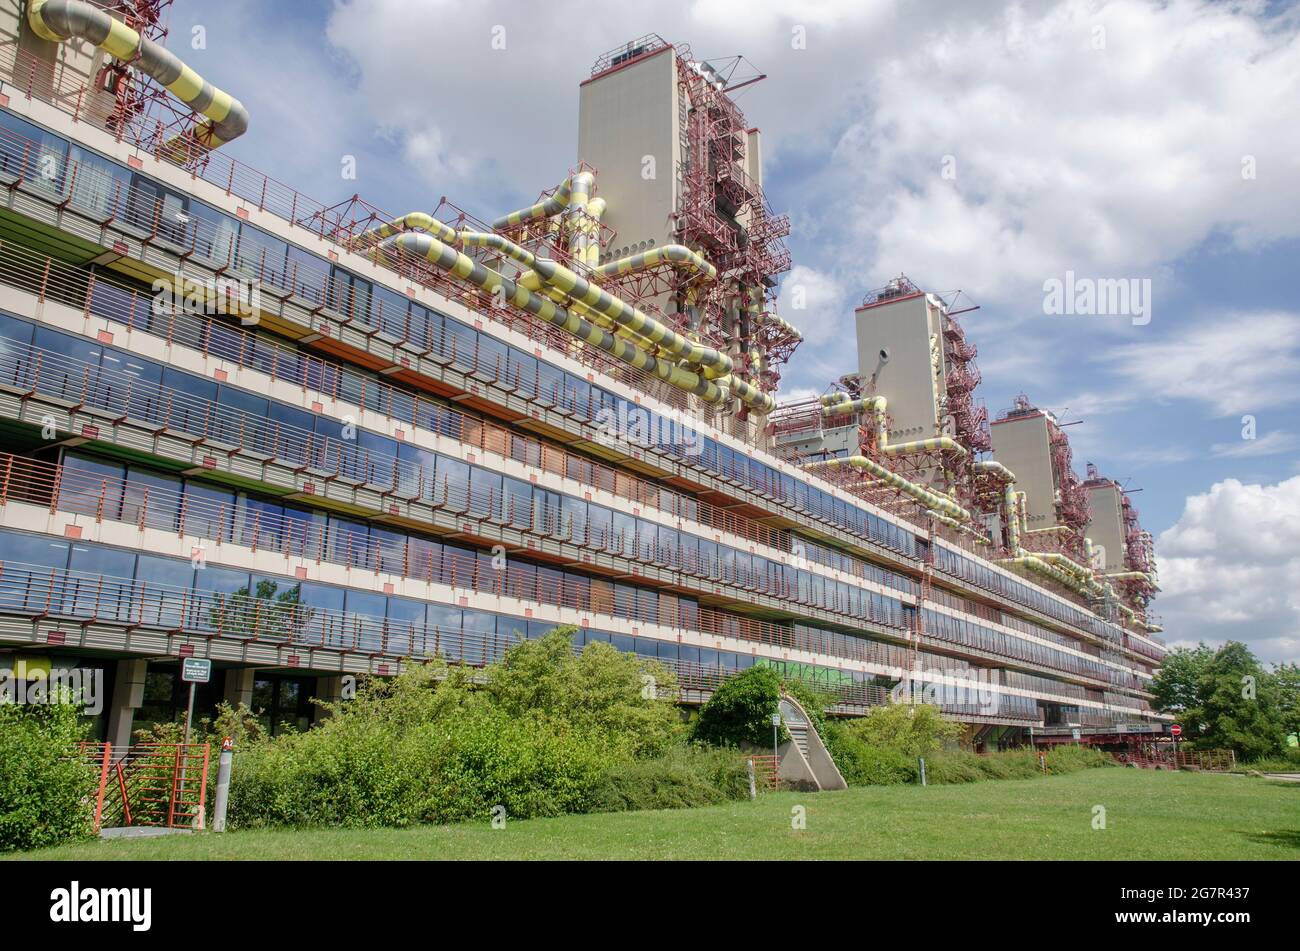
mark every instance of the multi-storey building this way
{"type": "Point", "coordinates": [311, 441]}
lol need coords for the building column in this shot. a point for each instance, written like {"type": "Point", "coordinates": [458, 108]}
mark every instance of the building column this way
{"type": "Point", "coordinates": [239, 686]}
{"type": "Point", "coordinates": [329, 690]}
{"type": "Point", "coordinates": [128, 695]}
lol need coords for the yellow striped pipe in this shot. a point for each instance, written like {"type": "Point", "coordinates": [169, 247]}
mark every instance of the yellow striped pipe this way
{"type": "Point", "coordinates": [414, 219]}
{"type": "Point", "coordinates": [478, 239]}
{"type": "Point", "coordinates": [465, 268]}
{"type": "Point", "coordinates": [715, 363]}
{"type": "Point", "coordinates": [994, 467]}
{"type": "Point", "coordinates": [549, 206]}
{"type": "Point", "coordinates": [61, 20]}
{"type": "Point", "coordinates": [595, 212]}
{"type": "Point", "coordinates": [676, 255]}
{"type": "Point", "coordinates": [920, 493]}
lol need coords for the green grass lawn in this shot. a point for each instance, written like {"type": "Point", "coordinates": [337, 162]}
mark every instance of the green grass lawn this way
{"type": "Point", "coordinates": [1149, 815]}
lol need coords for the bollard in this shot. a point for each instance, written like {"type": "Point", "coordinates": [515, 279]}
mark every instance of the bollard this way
{"type": "Point", "coordinates": [749, 768]}
{"type": "Point", "coordinates": [921, 760]}
{"type": "Point", "coordinates": [223, 785]}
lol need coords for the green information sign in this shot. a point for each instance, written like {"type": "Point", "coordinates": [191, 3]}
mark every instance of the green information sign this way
{"type": "Point", "coordinates": [195, 670]}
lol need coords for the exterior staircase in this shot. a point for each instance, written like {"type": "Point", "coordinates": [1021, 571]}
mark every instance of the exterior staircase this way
{"type": "Point", "coordinates": [805, 761]}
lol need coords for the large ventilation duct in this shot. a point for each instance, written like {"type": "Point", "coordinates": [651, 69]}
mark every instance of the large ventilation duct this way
{"type": "Point", "coordinates": [465, 268]}
{"type": "Point", "coordinates": [62, 20]}
{"type": "Point", "coordinates": [840, 404]}
{"type": "Point", "coordinates": [921, 494]}
{"type": "Point", "coordinates": [714, 362]}
{"type": "Point", "coordinates": [677, 255]}
{"type": "Point", "coordinates": [417, 220]}
{"type": "Point", "coordinates": [581, 183]}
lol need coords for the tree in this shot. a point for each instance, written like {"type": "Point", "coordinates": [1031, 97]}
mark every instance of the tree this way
{"type": "Point", "coordinates": [741, 708]}
{"type": "Point", "coordinates": [1177, 685]}
{"type": "Point", "coordinates": [1286, 681]}
{"type": "Point", "coordinates": [1224, 699]}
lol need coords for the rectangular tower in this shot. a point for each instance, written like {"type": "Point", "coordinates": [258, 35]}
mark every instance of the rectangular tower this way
{"type": "Point", "coordinates": [1106, 528]}
{"type": "Point", "coordinates": [900, 357]}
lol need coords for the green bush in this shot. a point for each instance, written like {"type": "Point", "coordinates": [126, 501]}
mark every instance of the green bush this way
{"type": "Point", "coordinates": [740, 710]}
{"type": "Point", "coordinates": [538, 733]}
{"type": "Point", "coordinates": [47, 789]}
{"type": "Point", "coordinates": [681, 778]}
{"type": "Point", "coordinates": [863, 765]}
{"type": "Point", "coordinates": [1072, 759]}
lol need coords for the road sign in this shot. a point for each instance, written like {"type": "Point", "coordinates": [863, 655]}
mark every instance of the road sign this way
{"type": "Point", "coordinates": [1176, 730]}
{"type": "Point", "coordinates": [1074, 734]}
{"type": "Point", "coordinates": [195, 670]}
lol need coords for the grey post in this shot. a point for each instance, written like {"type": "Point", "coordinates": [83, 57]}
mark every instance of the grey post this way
{"type": "Point", "coordinates": [753, 791]}
{"type": "Point", "coordinates": [921, 760]}
{"type": "Point", "coordinates": [223, 786]}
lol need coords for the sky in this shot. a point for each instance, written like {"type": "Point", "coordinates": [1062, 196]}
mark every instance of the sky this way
{"type": "Point", "coordinates": [992, 148]}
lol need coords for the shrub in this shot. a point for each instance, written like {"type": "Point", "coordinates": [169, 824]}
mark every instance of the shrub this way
{"type": "Point", "coordinates": [1071, 759]}
{"type": "Point", "coordinates": [911, 730]}
{"type": "Point", "coordinates": [46, 787]}
{"type": "Point", "coordinates": [864, 765]}
{"type": "Point", "coordinates": [740, 710]}
{"type": "Point", "coordinates": [534, 733]}
{"type": "Point", "coordinates": [681, 778]}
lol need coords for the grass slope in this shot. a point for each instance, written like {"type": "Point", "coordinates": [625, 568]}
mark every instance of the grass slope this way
{"type": "Point", "coordinates": [1149, 815]}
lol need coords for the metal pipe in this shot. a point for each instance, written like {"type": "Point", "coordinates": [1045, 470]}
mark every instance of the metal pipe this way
{"type": "Point", "coordinates": [930, 499]}
{"type": "Point", "coordinates": [465, 268]}
{"type": "Point", "coordinates": [61, 20]}
{"type": "Point", "coordinates": [714, 362]}
{"type": "Point", "coordinates": [677, 255]}
{"type": "Point", "coordinates": [414, 219]}
{"type": "Point", "coordinates": [549, 206]}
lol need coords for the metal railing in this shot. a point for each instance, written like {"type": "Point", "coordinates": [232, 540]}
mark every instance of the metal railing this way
{"type": "Point", "coordinates": [84, 598]}
{"type": "Point", "coordinates": [150, 784]}
{"type": "Point", "coordinates": [116, 499]}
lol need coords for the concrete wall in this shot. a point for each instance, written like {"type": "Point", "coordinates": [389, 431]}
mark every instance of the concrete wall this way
{"type": "Point", "coordinates": [907, 379]}
{"type": "Point", "coordinates": [624, 117]}
{"type": "Point", "coordinates": [1021, 444]}
{"type": "Point", "coordinates": [73, 64]}
{"type": "Point", "coordinates": [1106, 523]}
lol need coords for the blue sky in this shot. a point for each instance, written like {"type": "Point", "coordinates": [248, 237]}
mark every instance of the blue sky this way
{"type": "Point", "coordinates": [983, 146]}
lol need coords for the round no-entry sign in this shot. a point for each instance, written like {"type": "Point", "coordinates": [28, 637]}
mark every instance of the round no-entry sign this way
{"type": "Point", "coordinates": [1176, 730]}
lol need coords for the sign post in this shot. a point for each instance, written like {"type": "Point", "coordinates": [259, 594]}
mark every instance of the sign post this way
{"type": "Point", "coordinates": [1175, 730]}
{"type": "Point", "coordinates": [194, 670]}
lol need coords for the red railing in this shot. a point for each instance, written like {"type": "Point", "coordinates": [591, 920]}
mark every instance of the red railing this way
{"type": "Point", "coordinates": [150, 784]}
{"type": "Point", "coordinates": [105, 298]}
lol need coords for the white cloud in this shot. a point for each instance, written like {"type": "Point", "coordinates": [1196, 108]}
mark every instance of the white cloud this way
{"type": "Point", "coordinates": [1230, 568]}
{"type": "Point", "coordinates": [1107, 161]}
{"type": "Point", "coordinates": [818, 304]}
{"type": "Point", "coordinates": [1239, 363]}
{"type": "Point", "coordinates": [1270, 444]}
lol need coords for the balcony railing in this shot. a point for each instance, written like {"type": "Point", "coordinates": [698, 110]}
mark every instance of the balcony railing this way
{"type": "Point", "coordinates": [80, 598]}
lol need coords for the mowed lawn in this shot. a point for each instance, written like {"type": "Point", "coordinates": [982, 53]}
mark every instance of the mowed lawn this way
{"type": "Point", "coordinates": [1148, 815]}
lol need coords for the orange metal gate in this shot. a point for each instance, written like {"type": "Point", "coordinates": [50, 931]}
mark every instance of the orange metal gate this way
{"type": "Point", "coordinates": [150, 784]}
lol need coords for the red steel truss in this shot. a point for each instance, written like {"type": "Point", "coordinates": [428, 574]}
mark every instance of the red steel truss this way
{"type": "Point", "coordinates": [144, 113]}
{"type": "Point", "coordinates": [722, 212]}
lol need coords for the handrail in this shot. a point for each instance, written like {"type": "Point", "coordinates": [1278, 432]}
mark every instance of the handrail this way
{"type": "Point", "coordinates": [84, 597]}
{"type": "Point", "coordinates": [101, 497]}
